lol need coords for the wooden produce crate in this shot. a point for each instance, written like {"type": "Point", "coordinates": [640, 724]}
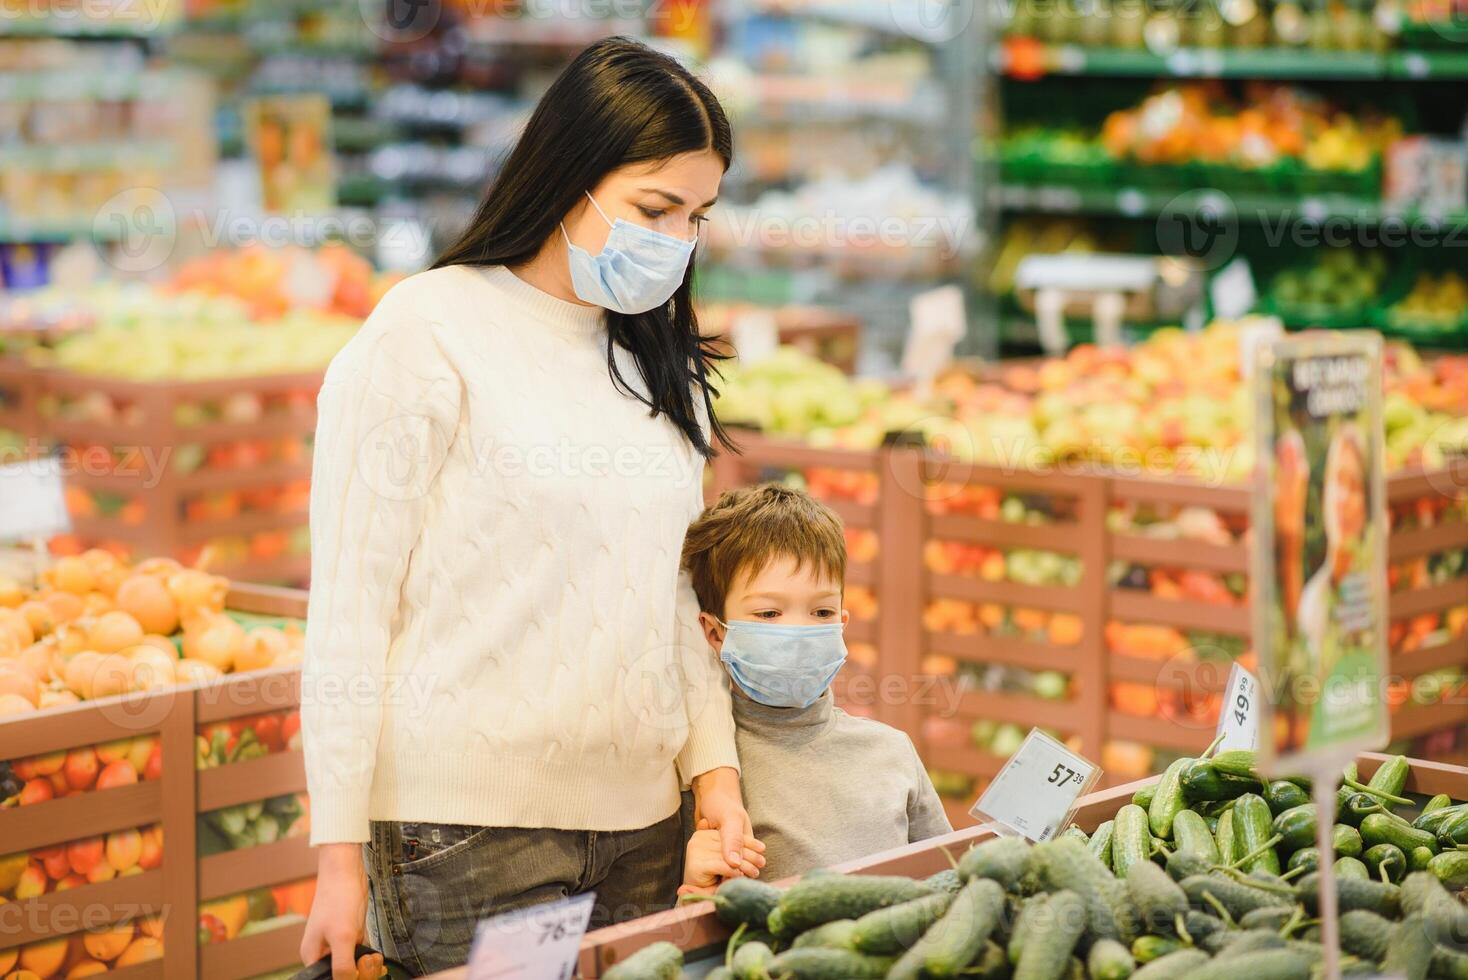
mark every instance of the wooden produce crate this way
{"type": "Point", "coordinates": [169, 468]}
{"type": "Point", "coordinates": [17, 397]}
{"type": "Point", "coordinates": [848, 482]}
{"type": "Point", "coordinates": [695, 929]}
{"type": "Point", "coordinates": [826, 334]}
{"type": "Point", "coordinates": [171, 795]}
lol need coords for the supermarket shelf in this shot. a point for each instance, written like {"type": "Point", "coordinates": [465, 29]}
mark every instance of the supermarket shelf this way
{"type": "Point", "coordinates": [98, 155]}
{"type": "Point", "coordinates": [58, 26]}
{"type": "Point", "coordinates": [1019, 709]}
{"type": "Point", "coordinates": [1160, 732]}
{"type": "Point", "coordinates": [1414, 720]}
{"type": "Point", "coordinates": [1009, 651]}
{"type": "Point", "coordinates": [1138, 607]}
{"type": "Point", "coordinates": [60, 86]}
{"type": "Point", "coordinates": [877, 15]}
{"type": "Point", "coordinates": [565, 32]}
{"type": "Point", "coordinates": [965, 759]}
{"type": "Point", "coordinates": [1272, 63]}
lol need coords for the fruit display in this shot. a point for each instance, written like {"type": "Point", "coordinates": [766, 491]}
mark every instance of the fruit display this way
{"type": "Point", "coordinates": [79, 954]}
{"type": "Point", "coordinates": [256, 911]}
{"type": "Point", "coordinates": [1209, 871]}
{"type": "Point", "coordinates": [1336, 287]}
{"type": "Point", "coordinates": [1434, 309]}
{"type": "Point", "coordinates": [103, 857]}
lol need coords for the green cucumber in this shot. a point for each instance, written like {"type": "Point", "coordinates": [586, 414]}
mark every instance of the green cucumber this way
{"type": "Point", "coordinates": [1447, 917]}
{"type": "Point", "coordinates": [1350, 867]}
{"type": "Point", "coordinates": [1388, 828]}
{"type": "Point", "coordinates": [1145, 949]}
{"type": "Point", "coordinates": [1184, 864]}
{"type": "Point", "coordinates": [1432, 819]}
{"type": "Point", "coordinates": [1253, 827]}
{"type": "Point", "coordinates": [1235, 896]}
{"type": "Point", "coordinates": [813, 963]}
{"type": "Point", "coordinates": [1450, 868]}
{"type": "Point", "coordinates": [825, 898]}
{"type": "Point", "coordinates": [1046, 955]}
{"type": "Point", "coordinates": [1143, 796]}
{"type": "Point", "coordinates": [1240, 763]}
{"type": "Point", "coordinates": [1439, 802]}
{"type": "Point", "coordinates": [1190, 833]}
{"type": "Point", "coordinates": [751, 961]}
{"type": "Point", "coordinates": [1131, 841]}
{"type": "Point", "coordinates": [889, 931]}
{"type": "Point", "coordinates": [1386, 862]}
{"type": "Point", "coordinates": [660, 961]}
{"type": "Point", "coordinates": [743, 901]}
{"type": "Point", "coordinates": [1282, 794]}
{"type": "Point", "coordinates": [1101, 841]}
{"type": "Point", "coordinates": [1420, 859]}
{"type": "Point", "coordinates": [1159, 899]}
{"type": "Point", "coordinates": [1263, 964]}
{"type": "Point", "coordinates": [1201, 925]}
{"type": "Point", "coordinates": [1346, 841]}
{"type": "Point", "coordinates": [1273, 919]}
{"type": "Point", "coordinates": [1224, 838]}
{"type": "Point", "coordinates": [1177, 965]}
{"type": "Point", "coordinates": [1001, 859]}
{"type": "Point", "coordinates": [720, 973]}
{"type": "Point", "coordinates": [1296, 827]}
{"type": "Point", "coordinates": [1374, 896]}
{"type": "Point", "coordinates": [1356, 807]}
{"type": "Point", "coordinates": [776, 924]}
{"type": "Point", "coordinates": [836, 934]}
{"type": "Point", "coordinates": [1409, 952]}
{"type": "Point", "coordinates": [1249, 941]}
{"type": "Point", "coordinates": [1306, 857]}
{"type": "Point", "coordinates": [1062, 864]}
{"type": "Point", "coordinates": [991, 964]}
{"type": "Point", "coordinates": [1168, 800]}
{"type": "Point", "coordinates": [1391, 777]}
{"type": "Point", "coordinates": [952, 942]}
{"type": "Point", "coordinates": [946, 880]}
{"type": "Point", "coordinates": [1109, 960]}
{"type": "Point", "coordinates": [1202, 782]}
{"type": "Point", "coordinates": [1025, 923]}
{"type": "Point", "coordinates": [1077, 833]}
{"type": "Point", "coordinates": [1453, 832]}
{"type": "Point", "coordinates": [1365, 934]}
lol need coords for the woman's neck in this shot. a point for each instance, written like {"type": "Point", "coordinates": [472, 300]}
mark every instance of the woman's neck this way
{"type": "Point", "coordinates": [549, 271]}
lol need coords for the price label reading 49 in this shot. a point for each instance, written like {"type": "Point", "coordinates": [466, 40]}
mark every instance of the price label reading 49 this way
{"type": "Point", "coordinates": [1238, 722]}
{"type": "Point", "coordinates": [1037, 789]}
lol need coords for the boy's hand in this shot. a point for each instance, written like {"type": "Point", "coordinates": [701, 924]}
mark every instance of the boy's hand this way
{"type": "Point", "coordinates": [717, 799]}
{"type": "Point", "coordinates": [705, 866]}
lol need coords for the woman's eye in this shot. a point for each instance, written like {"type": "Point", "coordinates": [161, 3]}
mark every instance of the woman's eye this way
{"type": "Point", "coordinates": [651, 214]}
{"type": "Point", "coordinates": [700, 219]}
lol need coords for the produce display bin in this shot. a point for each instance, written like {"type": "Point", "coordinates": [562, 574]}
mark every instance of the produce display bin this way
{"type": "Point", "coordinates": [17, 397]}
{"type": "Point", "coordinates": [177, 895]}
{"type": "Point", "coordinates": [829, 335]}
{"type": "Point", "coordinates": [695, 929]}
{"type": "Point", "coordinates": [169, 468]}
{"type": "Point", "coordinates": [1150, 628]}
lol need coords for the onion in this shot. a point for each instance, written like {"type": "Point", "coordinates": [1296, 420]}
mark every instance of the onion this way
{"type": "Point", "coordinates": [147, 599]}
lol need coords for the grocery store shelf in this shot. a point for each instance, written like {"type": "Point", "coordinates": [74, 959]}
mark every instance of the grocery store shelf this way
{"type": "Point", "coordinates": [1272, 63]}
{"type": "Point", "coordinates": [61, 26]}
{"type": "Point", "coordinates": [60, 86]}
{"type": "Point", "coordinates": [965, 759]}
{"type": "Point", "coordinates": [564, 32]}
{"type": "Point", "coordinates": [96, 155]}
{"type": "Point", "coordinates": [1160, 732]}
{"type": "Point", "coordinates": [877, 15]}
{"type": "Point", "coordinates": [1009, 651]}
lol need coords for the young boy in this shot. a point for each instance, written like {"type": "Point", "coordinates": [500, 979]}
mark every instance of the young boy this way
{"type": "Point", "coordinates": [769, 564]}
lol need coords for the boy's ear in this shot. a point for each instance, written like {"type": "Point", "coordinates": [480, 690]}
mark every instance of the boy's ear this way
{"type": "Point", "coordinates": [845, 616]}
{"type": "Point", "coordinates": [712, 631]}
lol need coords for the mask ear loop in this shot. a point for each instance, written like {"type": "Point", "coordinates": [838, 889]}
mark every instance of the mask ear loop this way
{"type": "Point", "coordinates": [599, 211]}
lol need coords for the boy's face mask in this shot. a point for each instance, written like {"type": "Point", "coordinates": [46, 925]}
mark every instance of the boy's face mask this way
{"type": "Point", "coordinates": [781, 665]}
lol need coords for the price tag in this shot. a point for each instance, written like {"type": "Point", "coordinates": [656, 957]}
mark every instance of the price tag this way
{"type": "Point", "coordinates": [1257, 333]}
{"type": "Point", "coordinates": [1238, 722]}
{"type": "Point", "coordinates": [1232, 290]}
{"type": "Point", "coordinates": [31, 501]}
{"type": "Point", "coordinates": [755, 334]}
{"type": "Point", "coordinates": [1037, 789]}
{"type": "Point", "coordinates": [938, 323]}
{"type": "Point", "coordinates": [538, 943]}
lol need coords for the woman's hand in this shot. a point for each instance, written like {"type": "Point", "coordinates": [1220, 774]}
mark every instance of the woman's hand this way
{"type": "Point", "coordinates": [704, 867]}
{"type": "Point", "coordinates": [717, 800]}
{"type": "Point", "coordinates": [339, 911]}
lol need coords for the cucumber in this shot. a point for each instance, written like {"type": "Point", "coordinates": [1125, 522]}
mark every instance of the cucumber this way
{"type": "Point", "coordinates": [946, 880]}
{"type": "Point", "coordinates": [751, 961]}
{"type": "Point", "coordinates": [1202, 782]}
{"type": "Point", "coordinates": [1439, 802]}
{"type": "Point", "coordinates": [1447, 917]}
{"type": "Point", "coordinates": [1224, 838]}
{"type": "Point", "coordinates": [1065, 864]}
{"type": "Point", "coordinates": [1143, 796]}
{"type": "Point", "coordinates": [660, 961]}
{"type": "Point", "coordinates": [1109, 960]}
{"type": "Point", "coordinates": [1365, 934]}
{"type": "Point", "coordinates": [1386, 862]}
{"type": "Point", "coordinates": [991, 963]}
{"type": "Point", "coordinates": [1450, 868]}
{"type": "Point", "coordinates": [1237, 897]}
{"type": "Point", "coordinates": [836, 934]}
{"type": "Point", "coordinates": [1047, 953]}
{"type": "Point", "coordinates": [825, 898]}
{"type": "Point", "coordinates": [1001, 859]}
{"type": "Point", "coordinates": [952, 942]}
{"type": "Point", "coordinates": [1271, 918]}
{"type": "Point", "coordinates": [1431, 820]}
{"type": "Point", "coordinates": [1168, 800]}
{"type": "Point", "coordinates": [1391, 777]}
{"type": "Point", "coordinates": [1190, 833]}
{"type": "Point", "coordinates": [1184, 864]}
{"type": "Point", "coordinates": [889, 931]}
{"type": "Point", "coordinates": [1388, 828]}
{"type": "Point", "coordinates": [812, 963]}
{"type": "Point", "coordinates": [1282, 794]}
{"type": "Point", "coordinates": [1453, 832]}
{"type": "Point", "coordinates": [1024, 923]}
{"type": "Point", "coordinates": [1352, 893]}
{"type": "Point", "coordinates": [1101, 841]}
{"type": "Point", "coordinates": [1264, 964]}
{"type": "Point", "coordinates": [1131, 842]}
{"type": "Point", "coordinates": [1346, 841]}
{"type": "Point", "coordinates": [1240, 763]}
{"type": "Point", "coordinates": [1296, 827]}
{"type": "Point", "coordinates": [1200, 926]}
{"type": "Point", "coordinates": [1249, 941]}
{"type": "Point", "coordinates": [1177, 965]}
{"type": "Point", "coordinates": [1349, 867]}
{"type": "Point", "coordinates": [1159, 899]}
{"type": "Point", "coordinates": [1409, 951]}
{"type": "Point", "coordinates": [1356, 807]}
{"type": "Point", "coordinates": [1253, 826]}
{"type": "Point", "coordinates": [720, 973]}
{"type": "Point", "coordinates": [1145, 949]}
{"type": "Point", "coordinates": [743, 901]}
{"type": "Point", "coordinates": [1306, 857]}
{"type": "Point", "coordinates": [776, 924]}
{"type": "Point", "coordinates": [1448, 964]}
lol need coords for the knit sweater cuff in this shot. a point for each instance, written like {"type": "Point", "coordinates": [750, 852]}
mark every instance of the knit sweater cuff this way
{"type": "Point", "coordinates": [708, 747]}
{"type": "Point", "coordinates": [339, 817]}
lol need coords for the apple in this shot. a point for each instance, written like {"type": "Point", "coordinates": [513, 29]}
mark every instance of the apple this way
{"type": "Point", "coordinates": [37, 790]}
{"type": "Point", "coordinates": [150, 855]}
{"type": "Point", "coordinates": [81, 768]}
{"type": "Point", "coordinates": [140, 751]}
{"type": "Point", "coordinates": [85, 854]}
{"type": "Point", "coordinates": [72, 880]}
{"type": "Point", "coordinates": [118, 773]}
{"type": "Point", "coordinates": [124, 849]}
{"type": "Point", "coordinates": [33, 882]}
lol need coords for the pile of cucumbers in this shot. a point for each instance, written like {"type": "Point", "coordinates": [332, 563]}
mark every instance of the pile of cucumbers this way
{"type": "Point", "coordinates": [1209, 873]}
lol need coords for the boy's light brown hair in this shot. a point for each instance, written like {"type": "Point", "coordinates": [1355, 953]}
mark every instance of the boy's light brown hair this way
{"type": "Point", "coordinates": [749, 527]}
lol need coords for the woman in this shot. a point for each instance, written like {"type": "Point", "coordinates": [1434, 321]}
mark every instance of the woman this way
{"type": "Point", "coordinates": [505, 685]}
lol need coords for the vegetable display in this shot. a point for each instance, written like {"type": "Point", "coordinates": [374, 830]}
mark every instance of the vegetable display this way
{"type": "Point", "coordinates": [1196, 877]}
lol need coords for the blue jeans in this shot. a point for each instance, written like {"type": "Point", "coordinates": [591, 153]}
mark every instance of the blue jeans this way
{"type": "Point", "coordinates": [431, 884]}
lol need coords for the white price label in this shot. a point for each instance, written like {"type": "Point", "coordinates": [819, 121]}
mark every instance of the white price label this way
{"type": "Point", "coordinates": [1233, 291]}
{"type": "Point", "coordinates": [1037, 789]}
{"type": "Point", "coordinates": [32, 504]}
{"type": "Point", "coordinates": [938, 323]}
{"type": "Point", "coordinates": [755, 335]}
{"type": "Point", "coordinates": [1238, 722]}
{"type": "Point", "coordinates": [538, 943]}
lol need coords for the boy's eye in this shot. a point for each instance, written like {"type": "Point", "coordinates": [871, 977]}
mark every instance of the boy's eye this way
{"type": "Point", "coordinates": [651, 214]}
{"type": "Point", "coordinates": [825, 613]}
{"type": "Point", "coordinates": [768, 614]}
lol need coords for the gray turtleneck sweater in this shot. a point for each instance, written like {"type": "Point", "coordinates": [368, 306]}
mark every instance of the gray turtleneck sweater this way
{"type": "Point", "coordinates": [823, 787]}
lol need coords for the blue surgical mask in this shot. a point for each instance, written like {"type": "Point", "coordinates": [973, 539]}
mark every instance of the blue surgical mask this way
{"type": "Point", "coordinates": [637, 270]}
{"type": "Point", "coordinates": [781, 665]}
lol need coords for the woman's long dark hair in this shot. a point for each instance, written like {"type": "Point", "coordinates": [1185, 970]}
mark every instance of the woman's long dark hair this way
{"type": "Point", "coordinates": [618, 103]}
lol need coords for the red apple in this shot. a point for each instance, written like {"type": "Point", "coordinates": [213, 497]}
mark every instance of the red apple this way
{"type": "Point", "coordinates": [151, 855]}
{"type": "Point", "coordinates": [32, 882]}
{"type": "Point", "coordinates": [55, 861]}
{"type": "Point", "coordinates": [38, 790]}
{"type": "Point", "coordinates": [154, 768]}
{"type": "Point", "coordinates": [85, 854]}
{"type": "Point", "coordinates": [119, 773]}
{"type": "Point", "coordinates": [81, 768]}
{"type": "Point", "coordinates": [70, 881]}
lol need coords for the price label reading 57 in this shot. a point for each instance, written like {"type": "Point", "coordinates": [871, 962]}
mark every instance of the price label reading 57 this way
{"type": "Point", "coordinates": [1037, 789]}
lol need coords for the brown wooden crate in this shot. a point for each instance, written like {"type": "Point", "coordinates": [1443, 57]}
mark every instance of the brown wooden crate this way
{"type": "Point", "coordinates": [255, 779]}
{"type": "Point", "coordinates": [1060, 536]}
{"type": "Point", "coordinates": [1410, 663]}
{"type": "Point", "coordinates": [249, 956]}
{"type": "Point", "coordinates": [1058, 598]}
{"type": "Point", "coordinates": [1067, 716]}
{"type": "Point", "coordinates": [1433, 598]}
{"type": "Point", "coordinates": [1143, 550]}
{"type": "Point", "coordinates": [968, 760]}
{"type": "Point", "coordinates": [1418, 541]}
{"type": "Point", "coordinates": [87, 906]}
{"type": "Point", "coordinates": [1135, 606]}
{"type": "Point", "coordinates": [282, 862]}
{"type": "Point", "coordinates": [26, 828]}
{"type": "Point", "coordinates": [978, 648]}
{"type": "Point", "coordinates": [1159, 732]}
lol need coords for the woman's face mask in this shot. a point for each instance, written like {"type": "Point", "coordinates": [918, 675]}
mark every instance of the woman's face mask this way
{"type": "Point", "coordinates": [780, 665]}
{"type": "Point", "coordinates": [637, 270]}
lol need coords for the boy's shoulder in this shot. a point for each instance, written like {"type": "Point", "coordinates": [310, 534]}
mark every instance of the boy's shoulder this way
{"type": "Point", "coordinates": [869, 730]}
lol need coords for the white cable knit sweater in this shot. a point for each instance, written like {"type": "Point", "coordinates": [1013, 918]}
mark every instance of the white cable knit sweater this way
{"type": "Point", "coordinates": [498, 631]}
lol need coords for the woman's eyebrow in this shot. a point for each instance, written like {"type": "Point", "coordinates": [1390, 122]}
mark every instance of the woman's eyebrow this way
{"type": "Point", "coordinates": [674, 198]}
